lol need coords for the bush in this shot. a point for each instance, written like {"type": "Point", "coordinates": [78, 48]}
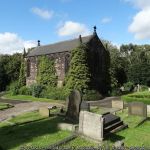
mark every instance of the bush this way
{"type": "Point", "coordinates": [129, 86]}
{"type": "Point", "coordinates": [14, 88]}
{"type": "Point", "coordinates": [54, 93]}
{"type": "Point", "coordinates": [144, 88]}
{"type": "Point", "coordinates": [91, 95]}
{"type": "Point", "coordinates": [25, 91]}
{"type": "Point", "coordinates": [37, 90]}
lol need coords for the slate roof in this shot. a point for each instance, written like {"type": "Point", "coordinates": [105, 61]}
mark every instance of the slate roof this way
{"type": "Point", "coordinates": [58, 47]}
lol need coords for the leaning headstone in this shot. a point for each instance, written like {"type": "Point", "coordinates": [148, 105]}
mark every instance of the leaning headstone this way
{"type": "Point", "coordinates": [137, 108]}
{"type": "Point", "coordinates": [91, 125]}
{"type": "Point", "coordinates": [85, 106]}
{"type": "Point", "coordinates": [117, 104]}
{"type": "Point", "coordinates": [73, 108]}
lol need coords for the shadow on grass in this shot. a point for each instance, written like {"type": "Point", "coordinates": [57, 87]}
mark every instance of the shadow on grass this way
{"type": "Point", "coordinates": [112, 137]}
{"type": "Point", "coordinates": [13, 136]}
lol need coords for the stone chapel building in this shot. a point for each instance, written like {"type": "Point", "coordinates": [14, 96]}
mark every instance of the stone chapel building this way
{"type": "Point", "coordinates": [98, 60]}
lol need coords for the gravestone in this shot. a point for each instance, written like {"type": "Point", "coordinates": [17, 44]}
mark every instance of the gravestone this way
{"type": "Point", "coordinates": [117, 104]}
{"type": "Point", "coordinates": [85, 106]}
{"type": "Point", "coordinates": [137, 108]}
{"type": "Point", "coordinates": [91, 125]}
{"type": "Point", "coordinates": [73, 108]}
{"type": "Point", "coordinates": [44, 111]}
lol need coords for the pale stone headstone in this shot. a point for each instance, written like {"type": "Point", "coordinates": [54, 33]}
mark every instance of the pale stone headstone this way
{"type": "Point", "coordinates": [73, 108]}
{"type": "Point", "coordinates": [117, 104]}
{"type": "Point", "coordinates": [44, 111]}
{"type": "Point", "coordinates": [91, 125]}
{"type": "Point", "coordinates": [137, 108]}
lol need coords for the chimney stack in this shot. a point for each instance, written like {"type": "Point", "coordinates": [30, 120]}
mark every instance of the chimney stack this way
{"type": "Point", "coordinates": [94, 30]}
{"type": "Point", "coordinates": [38, 42]}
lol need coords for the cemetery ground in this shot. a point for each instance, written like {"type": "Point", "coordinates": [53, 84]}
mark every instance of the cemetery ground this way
{"type": "Point", "coordinates": [32, 129]}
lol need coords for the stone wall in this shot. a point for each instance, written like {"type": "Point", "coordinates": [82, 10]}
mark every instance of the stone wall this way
{"type": "Point", "coordinates": [91, 125]}
{"type": "Point", "coordinates": [62, 61]}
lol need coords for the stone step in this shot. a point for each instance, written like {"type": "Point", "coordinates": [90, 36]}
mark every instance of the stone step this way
{"type": "Point", "coordinates": [124, 126]}
{"type": "Point", "coordinates": [110, 119]}
{"type": "Point", "coordinates": [112, 126]}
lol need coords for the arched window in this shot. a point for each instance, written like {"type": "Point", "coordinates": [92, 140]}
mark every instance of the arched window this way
{"type": "Point", "coordinates": [28, 67]}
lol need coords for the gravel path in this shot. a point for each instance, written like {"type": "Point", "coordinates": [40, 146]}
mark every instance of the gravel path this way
{"type": "Point", "coordinates": [22, 108]}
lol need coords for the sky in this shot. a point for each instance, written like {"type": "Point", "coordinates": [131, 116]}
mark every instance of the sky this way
{"type": "Point", "coordinates": [23, 22]}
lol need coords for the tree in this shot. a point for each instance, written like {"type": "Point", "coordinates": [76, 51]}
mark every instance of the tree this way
{"type": "Point", "coordinates": [22, 76]}
{"type": "Point", "coordinates": [78, 75]}
{"type": "Point", "coordinates": [46, 72]}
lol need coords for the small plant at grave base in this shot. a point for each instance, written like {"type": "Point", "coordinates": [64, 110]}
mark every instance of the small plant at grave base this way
{"type": "Point", "coordinates": [46, 72]}
{"type": "Point", "coordinates": [78, 76]}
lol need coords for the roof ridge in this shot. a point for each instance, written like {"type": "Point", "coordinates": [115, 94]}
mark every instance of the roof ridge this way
{"type": "Point", "coordinates": [66, 41]}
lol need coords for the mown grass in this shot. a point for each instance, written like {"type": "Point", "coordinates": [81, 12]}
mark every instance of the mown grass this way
{"type": "Point", "coordinates": [4, 106]}
{"type": "Point", "coordinates": [30, 98]}
{"type": "Point", "coordinates": [138, 97]}
{"type": "Point", "coordinates": [39, 132]}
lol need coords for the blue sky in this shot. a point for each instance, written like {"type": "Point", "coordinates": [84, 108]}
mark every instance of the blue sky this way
{"type": "Point", "coordinates": [23, 22]}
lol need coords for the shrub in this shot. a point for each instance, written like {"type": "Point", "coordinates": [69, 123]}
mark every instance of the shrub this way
{"type": "Point", "coordinates": [129, 86]}
{"type": "Point", "coordinates": [91, 95]}
{"type": "Point", "coordinates": [144, 88]}
{"type": "Point", "coordinates": [25, 91]}
{"type": "Point", "coordinates": [37, 90]}
{"type": "Point", "coordinates": [54, 93]}
{"type": "Point", "coordinates": [14, 88]}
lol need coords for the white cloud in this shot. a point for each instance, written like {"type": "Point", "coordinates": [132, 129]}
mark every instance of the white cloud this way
{"type": "Point", "coordinates": [45, 14]}
{"type": "Point", "coordinates": [70, 28]}
{"type": "Point", "coordinates": [11, 43]}
{"type": "Point", "coordinates": [106, 20]}
{"type": "Point", "coordinates": [140, 25]}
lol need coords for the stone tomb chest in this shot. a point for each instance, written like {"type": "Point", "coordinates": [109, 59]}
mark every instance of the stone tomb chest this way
{"type": "Point", "coordinates": [117, 104]}
{"type": "Point", "coordinates": [137, 108]}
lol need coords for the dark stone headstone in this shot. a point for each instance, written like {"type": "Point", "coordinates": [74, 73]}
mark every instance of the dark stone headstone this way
{"type": "Point", "coordinates": [85, 106]}
{"type": "Point", "coordinates": [73, 108]}
{"type": "Point", "coordinates": [137, 108]}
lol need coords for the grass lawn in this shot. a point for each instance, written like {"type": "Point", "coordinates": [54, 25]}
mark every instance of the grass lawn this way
{"type": "Point", "coordinates": [138, 97]}
{"type": "Point", "coordinates": [31, 98]}
{"type": "Point", "coordinates": [40, 132]}
{"type": "Point", "coordinates": [4, 106]}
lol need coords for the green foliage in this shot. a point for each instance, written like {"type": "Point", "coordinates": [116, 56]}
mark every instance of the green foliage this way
{"type": "Point", "coordinates": [9, 69]}
{"type": "Point", "coordinates": [128, 86]}
{"type": "Point", "coordinates": [138, 97]}
{"type": "Point", "coordinates": [46, 72]}
{"type": "Point", "coordinates": [78, 76]}
{"type": "Point", "coordinates": [25, 90]}
{"type": "Point", "coordinates": [55, 93]}
{"type": "Point", "coordinates": [92, 95]}
{"type": "Point", "coordinates": [22, 76]}
{"type": "Point", "coordinates": [14, 88]}
{"type": "Point", "coordinates": [37, 89]}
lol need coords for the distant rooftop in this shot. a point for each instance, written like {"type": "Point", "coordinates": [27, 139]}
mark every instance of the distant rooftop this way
{"type": "Point", "coordinates": [58, 47]}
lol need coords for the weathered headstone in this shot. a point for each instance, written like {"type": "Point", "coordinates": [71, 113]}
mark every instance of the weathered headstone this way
{"type": "Point", "coordinates": [85, 106]}
{"type": "Point", "coordinates": [91, 125]}
{"type": "Point", "coordinates": [73, 108]}
{"type": "Point", "coordinates": [137, 108]}
{"type": "Point", "coordinates": [117, 104]}
{"type": "Point", "coordinates": [44, 111]}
